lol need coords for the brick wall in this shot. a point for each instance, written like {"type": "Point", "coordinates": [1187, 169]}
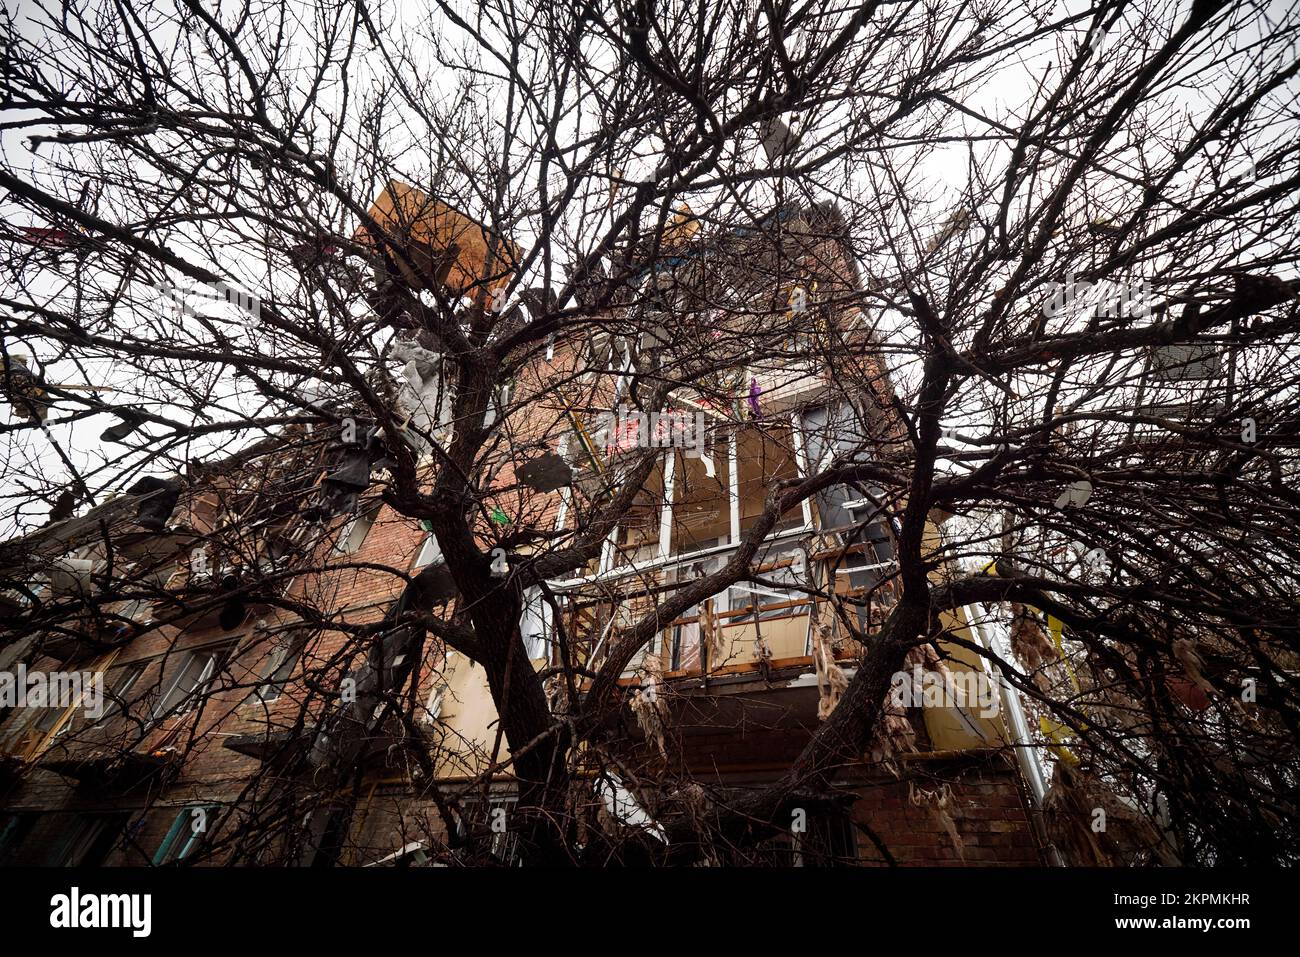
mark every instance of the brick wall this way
{"type": "Point", "coordinates": [210, 771]}
{"type": "Point", "coordinates": [984, 800]}
{"type": "Point", "coordinates": [986, 807]}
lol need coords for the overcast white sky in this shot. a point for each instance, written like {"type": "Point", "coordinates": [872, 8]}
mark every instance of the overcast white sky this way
{"type": "Point", "coordinates": [28, 454]}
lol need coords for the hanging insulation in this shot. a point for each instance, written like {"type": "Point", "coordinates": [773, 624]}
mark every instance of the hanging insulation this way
{"type": "Point", "coordinates": [831, 683]}
{"type": "Point", "coordinates": [648, 708]}
{"type": "Point", "coordinates": [1029, 643]}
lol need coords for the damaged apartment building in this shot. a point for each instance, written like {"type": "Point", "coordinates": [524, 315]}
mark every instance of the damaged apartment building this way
{"type": "Point", "coordinates": [259, 703]}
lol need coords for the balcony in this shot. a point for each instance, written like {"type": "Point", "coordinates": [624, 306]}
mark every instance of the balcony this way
{"type": "Point", "coordinates": [749, 626]}
{"type": "Point", "coordinates": [273, 747]}
{"type": "Point", "coordinates": [196, 600]}
{"type": "Point", "coordinates": [287, 748]}
{"type": "Point", "coordinates": [782, 385]}
{"type": "Point", "coordinates": [114, 771]}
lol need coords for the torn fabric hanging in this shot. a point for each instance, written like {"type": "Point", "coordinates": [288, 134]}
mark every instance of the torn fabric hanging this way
{"type": "Point", "coordinates": [1030, 645]}
{"type": "Point", "coordinates": [159, 497]}
{"type": "Point", "coordinates": [434, 585]}
{"type": "Point", "coordinates": [423, 397]}
{"type": "Point", "coordinates": [831, 682]}
{"type": "Point", "coordinates": [351, 476]}
{"type": "Point", "coordinates": [340, 488]}
{"type": "Point", "coordinates": [130, 421]}
{"type": "Point", "coordinates": [546, 473]}
{"type": "Point", "coordinates": [649, 709]}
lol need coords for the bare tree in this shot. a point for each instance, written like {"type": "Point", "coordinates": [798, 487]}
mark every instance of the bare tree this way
{"type": "Point", "coordinates": [1044, 262]}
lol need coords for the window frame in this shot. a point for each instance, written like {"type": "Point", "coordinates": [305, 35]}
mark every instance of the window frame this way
{"type": "Point", "coordinates": [215, 659]}
{"type": "Point", "coordinates": [284, 658]}
{"type": "Point", "coordinates": [92, 834]}
{"type": "Point", "coordinates": [163, 856]}
{"type": "Point", "coordinates": [18, 725]}
{"type": "Point", "coordinates": [503, 845]}
{"type": "Point", "coordinates": [15, 828]}
{"type": "Point", "coordinates": [112, 698]}
{"type": "Point", "coordinates": [430, 539]}
{"type": "Point", "coordinates": [348, 529]}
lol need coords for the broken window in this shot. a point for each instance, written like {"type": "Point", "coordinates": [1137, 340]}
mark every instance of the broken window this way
{"type": "Point", "coordinates": [433, 703]}
{"type": "Point", "coordinates": [121, 681]}
{"type": "Point", "coordinates": [414, 854]}
{"type": "Point", "coordinates": [277, 669]}
{"type": "Point", "coordinates": [118, 684]}
{"type": "Point", "coordinates": [837, 435]}
{"type": "Point", "coordinates": [117, 619]}
{"type": "Point", "coordinates": [1185, 361]}
{"type": "Point", "coordinates": [720, 493]}
{"type": "Point", "coordinates": [765, 456]}
{"type": "Point", "coordinates": [637, 536]}
{"type": "Point", "coordinates": [684, 653]}
{"type": "Point", "coordinates": [771, 602]}
{"type": "Point", "coordinates": [192, 678]}
{"type": "Point", "coordinates": [31, 728]}
{"type": "Point", "coordinates": [487, 823]}
{"type": "Point", "coordinates": [89, 841]}
{"type": "Point", "coordinates": [702, 501]}
{"type": "Point", "coordinates": [829, 839]}
{"type": "Point", "coordinates": [28, 728]}
{"type": "Point", "coordinates": [869, 568]}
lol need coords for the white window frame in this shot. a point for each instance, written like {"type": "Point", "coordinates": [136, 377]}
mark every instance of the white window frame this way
{"type": "Point", "coordinates": [566, 492]}
{"type": "Point", "coordinates": [430, 551]}
{"type": "Point", "coordinates": [753, 596]}
{"type": "Point", "coordinates": [135, 671]}
{"type": "Point", "coordinates": [664, 558]}
{"type": "Point", "coordinates": [271, 688]}
{"type": "Point", "coordinates": [343, 544]}
{"type": "Point", "coordinates": [434, 702]}
{"type": "Point", "coordinates": [182, 706]}
{"type": "Point", "coordinates": [503, 845]}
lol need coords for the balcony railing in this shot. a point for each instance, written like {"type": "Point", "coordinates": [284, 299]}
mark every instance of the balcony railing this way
{"type": "Point", "coordinates": [739, 615]}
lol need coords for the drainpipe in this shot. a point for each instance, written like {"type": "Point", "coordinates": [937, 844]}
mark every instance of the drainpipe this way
{"type": "Point", "coordinates": [1026, 754]}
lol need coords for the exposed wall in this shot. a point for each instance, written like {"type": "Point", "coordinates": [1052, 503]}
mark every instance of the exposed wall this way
{"type": "Point", "coordinates": [983, 801]}
{"type": "Point", "coordinates": [987, 810]}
